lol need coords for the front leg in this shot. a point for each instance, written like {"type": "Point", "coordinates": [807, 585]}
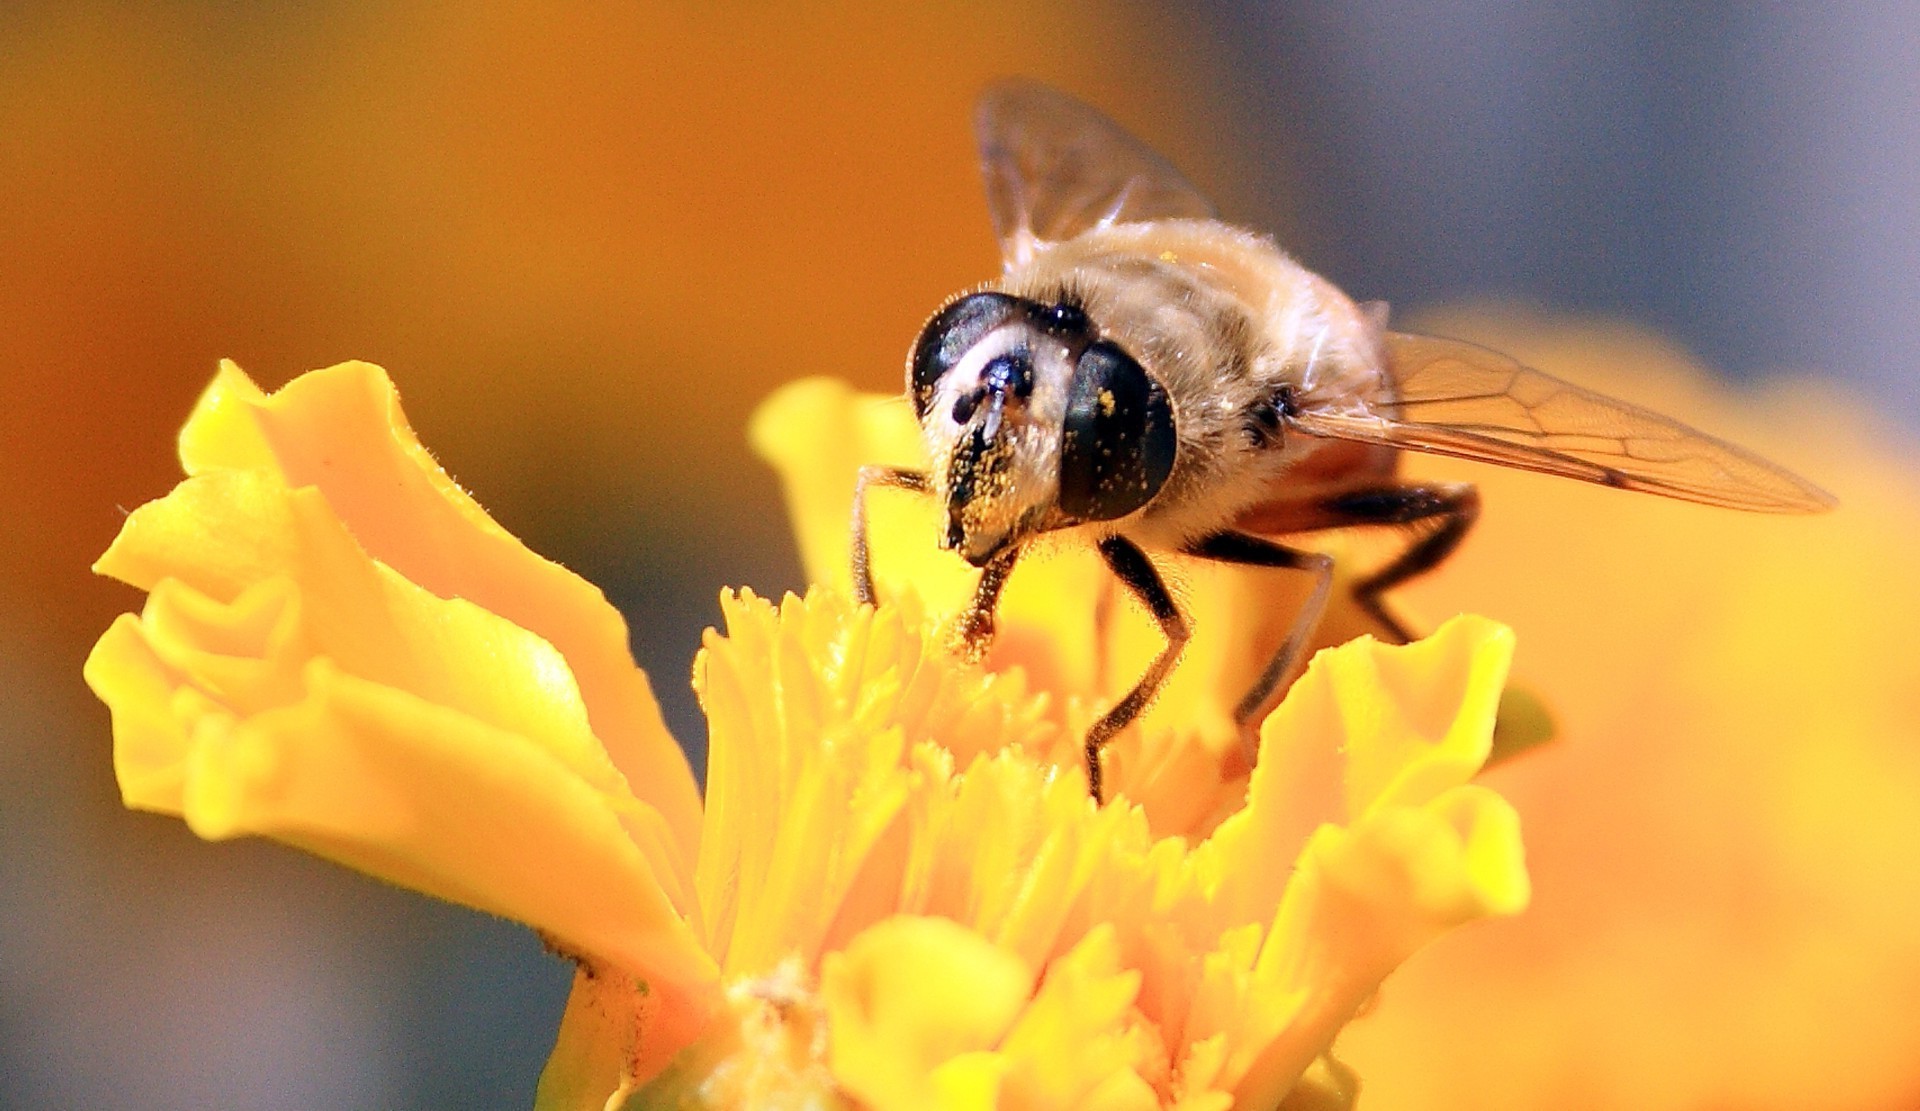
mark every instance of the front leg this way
{"type": "Point", "coordinates": [975, 633]}
{"type": "Point", "coordinates": [898, 478]}
{"type": "Point", "coordinates": [1131, 566]}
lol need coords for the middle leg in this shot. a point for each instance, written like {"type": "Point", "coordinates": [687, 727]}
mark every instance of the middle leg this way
{"type": "Point", "coordinates": [1131, 566]}
{"type": "Point", "coordinates": [974, 634]}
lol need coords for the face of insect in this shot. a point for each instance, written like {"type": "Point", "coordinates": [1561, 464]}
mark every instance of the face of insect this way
{"type": "Point", "coordinates": [1033, 421]}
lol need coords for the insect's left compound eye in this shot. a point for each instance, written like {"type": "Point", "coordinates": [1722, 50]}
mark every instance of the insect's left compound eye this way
{"type": "Point", "coordinates": [1118, 438]}
{"type": "Point", "coordinates": [948, 337]}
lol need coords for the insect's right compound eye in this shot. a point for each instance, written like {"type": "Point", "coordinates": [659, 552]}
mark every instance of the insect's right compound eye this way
{"type": "Point", "coordinates": [948, 337]}
{"type": "Point", "coordinates": [1117, 441]}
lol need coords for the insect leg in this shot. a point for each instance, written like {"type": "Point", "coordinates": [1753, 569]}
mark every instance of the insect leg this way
{"type": "Point", "coordinates": [1132, 567]}
{"type": "Point", "coordinates": [1445, 512]}
{"type": "Point", "coordinates": [976, 626]}
{"type": "Point", "coordinates": [900, 479]}
{"type": "Point", "coordinates": [1251, 551]}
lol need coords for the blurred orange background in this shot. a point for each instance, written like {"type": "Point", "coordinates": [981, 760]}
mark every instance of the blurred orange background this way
{"type": "Point", "coordinates": [585, 241]}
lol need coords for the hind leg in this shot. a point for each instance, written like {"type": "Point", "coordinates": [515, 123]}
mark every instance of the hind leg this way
{"type": "Point", "coordinates": [1442, 515]}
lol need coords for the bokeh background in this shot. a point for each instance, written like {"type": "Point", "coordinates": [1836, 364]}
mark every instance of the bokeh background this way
{"type": "Point", "coordinates": [587, 240]}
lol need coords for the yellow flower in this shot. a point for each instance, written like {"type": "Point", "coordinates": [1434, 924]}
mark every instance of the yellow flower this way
{"type": "Point", "coordinates": [891, 896]}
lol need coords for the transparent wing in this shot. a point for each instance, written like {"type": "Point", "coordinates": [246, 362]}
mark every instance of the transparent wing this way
{"type": "Point", "coordinates": [1459, 399]}
{"type": "Point", "coordinates": [1055, 167]}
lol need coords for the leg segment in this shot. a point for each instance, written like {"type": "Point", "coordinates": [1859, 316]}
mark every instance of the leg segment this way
{"type": "Point", "coordinates": [975, 633]}
{"type": "Point", "coordinates": [896, 477]}
{"type": "Point", "coordinates": [1443, 516]}
{"type": "Point", "coordinates": [1251, 551]}
{"type": "Point", "coordinates": [1132, 567]}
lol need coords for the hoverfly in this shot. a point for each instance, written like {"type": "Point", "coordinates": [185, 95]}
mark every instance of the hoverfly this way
{"type": "Point", "coordinates": [1160, 381]}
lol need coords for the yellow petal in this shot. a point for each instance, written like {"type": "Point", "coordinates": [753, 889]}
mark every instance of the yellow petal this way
{"type": "Point", "coordinates": [417, 793]}
{"type": "Point", "coordinates": [1361, 902]}
{"type": "Point", "coordinates": [281, 681]}
{"type": "Point", "coordinates": [1076, 1037]}
{"type": "Point", "coordinates": [817, 433]}
{"type": "Point", "coordinates": [1360, 828]}
{"type": "Point", "coordinates": [968, 1082]}
{"type": "Point", "coordinates": [224, 433]}
{"type": "Point", "coordinates": [908, 996]}
{"type": "Point", "coordinates": [1420, 720]}
{"type": "Point", "coordinates": [1369, 725]}
{"type": "Point", "coordinates": [813, 708]}
{"type": "Point", "coordinates": [347, 607]}
{"type": "Point", "coordinates": [341, 431]}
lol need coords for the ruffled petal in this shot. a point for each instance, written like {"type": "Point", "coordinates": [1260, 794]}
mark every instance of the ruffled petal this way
{"type": "Point", "coordinates": [910, 995]}
{"type": "Point", "coordinates": [1368, 727]}
{"type": "Point", "coordinates": [925, 1013]}
{"type": "Point", "coordinates": [1363, 900]}
{"type": "Point", "coordinates": [1078, 1042]}
{"type": "Point", "coordinates": [341, 432]}
{"type": "Point", "coordinates": [225, 715]}
{"type": "Point", "coordinates": [282, 681]}
{"type": "Point", "coordinates": [1365, 769]}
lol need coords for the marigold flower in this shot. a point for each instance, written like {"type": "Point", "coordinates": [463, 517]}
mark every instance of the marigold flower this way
{"type": "Point", "coordinates": [891, 895]}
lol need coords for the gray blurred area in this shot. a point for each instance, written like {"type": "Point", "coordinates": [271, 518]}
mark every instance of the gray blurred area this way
{"type": "Point", "coordinates": [1742, 177]}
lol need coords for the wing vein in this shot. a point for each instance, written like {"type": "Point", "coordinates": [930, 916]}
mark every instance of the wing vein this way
{"type": "Point", "coordinates": [1477, 404]}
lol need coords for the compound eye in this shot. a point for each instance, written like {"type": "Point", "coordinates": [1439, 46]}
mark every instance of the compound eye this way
{"type": "Point", "coordinates": [1118, 440]}
{"type": "Point", "coordinates": [948, 337]}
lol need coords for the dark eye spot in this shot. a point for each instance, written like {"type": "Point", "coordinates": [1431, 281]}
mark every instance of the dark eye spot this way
{"type": "Point", "coordinates": [1064, 319]}
{"type": "Point", "coordinates": [963, 407]}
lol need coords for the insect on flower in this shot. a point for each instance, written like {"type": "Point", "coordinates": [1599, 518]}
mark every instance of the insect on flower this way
{"type": "Point", "coordinates": [1156, 380]}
